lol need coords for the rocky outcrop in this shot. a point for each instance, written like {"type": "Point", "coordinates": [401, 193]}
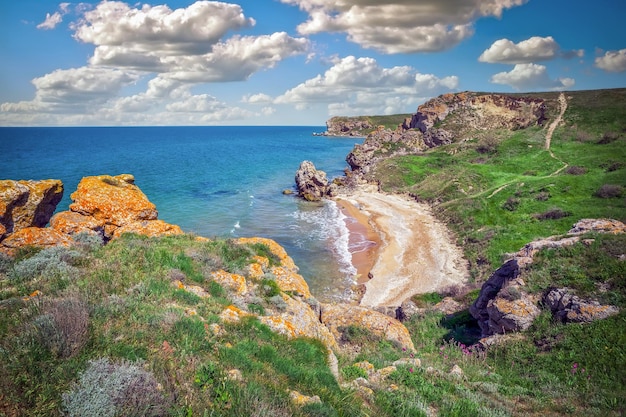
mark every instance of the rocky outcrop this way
{"type": "Point", "coordinates": [338, 317]}
{"type": "Point", "coordinates": [446, 119]}
{"type": "Point", "coordinates": [110, 206]}
{"type": "Point", "coordinates": [348, 126]}
{"type": "Point", "coordinates": [104, 205]}
{"type": "Point", "coordinates": [312, 184]}
{"type": "Point", "coordinates": [569, 308]}
{"type": "Point", "coordinates": [503, 305]}
{"type": "Point", "coordinates": [26, 204]}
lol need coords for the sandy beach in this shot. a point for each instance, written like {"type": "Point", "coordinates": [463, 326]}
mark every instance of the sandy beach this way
{"type": "Point", "coordinates": [410, 252]}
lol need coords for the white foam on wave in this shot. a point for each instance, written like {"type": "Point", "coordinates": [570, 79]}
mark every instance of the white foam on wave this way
{"type": "Point", "coordinates": [327, 223]}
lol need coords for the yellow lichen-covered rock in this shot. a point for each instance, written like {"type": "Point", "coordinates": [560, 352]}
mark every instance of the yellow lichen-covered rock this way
{"type": "Point", "coordinates": [27, 203]}
{"type": "Point", "coordinates": [274, 247]}
{"type": "Point", "coordinates": [290, 281]}
{"type": "Point", "coordinates": [301, 400]}
{"type": "Point", "coordinates": [34, 236]}
{"type": "Point", "coordinates": [150, 228]}
{"type": "Point", "coordinates": [232, 314]}
{"type": "Point", "coordinates": [194, 289]}
{"type": "Point", "coordinates": [337, 316]}
{"type": "Point", "coordinates": [70, 223]}
{"type": "Point", "coordinates": [115, 200]}
{"type": "Point", "coordinates": [258, 267]}
{"type": "Point", "coordinates": [234, 282]}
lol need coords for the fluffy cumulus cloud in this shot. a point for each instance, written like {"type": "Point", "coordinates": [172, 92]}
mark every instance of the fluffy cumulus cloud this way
{"type": "Point", "coordinates": [504, 51]}
{"type": "Point", "coordinates": [187, 43]}
{"type": "Point", "coordinates": [612, 61]}
{"type": "Point", "coordinates": [353, 85]}
{"type": "Point", "coordinates": [526, 77]}
{"type": "Point", "coordinates": [175, 48]}
{"type": "Point", "coordinates": [399, 26]}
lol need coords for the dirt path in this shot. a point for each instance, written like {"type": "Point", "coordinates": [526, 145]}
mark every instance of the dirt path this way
{"type": "Point", "coordinates": [417, 254]}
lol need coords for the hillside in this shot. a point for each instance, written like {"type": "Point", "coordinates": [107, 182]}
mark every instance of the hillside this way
{"type": "Point", "coordinates": [186, 326]}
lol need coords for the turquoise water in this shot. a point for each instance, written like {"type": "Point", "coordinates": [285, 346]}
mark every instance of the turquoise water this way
{"type": "Point", "coordinates": [212, 181]}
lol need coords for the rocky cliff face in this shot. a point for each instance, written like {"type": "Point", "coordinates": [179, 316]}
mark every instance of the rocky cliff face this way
{"type": "Point", "coordinates": [445, 119]}
{"type": "Point", "coordinates": [312, 184]}
{"type": "Point", "coordinates": [348, 126]}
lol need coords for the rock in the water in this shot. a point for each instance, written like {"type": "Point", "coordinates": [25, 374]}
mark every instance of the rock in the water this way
{"type": "Point", "coordinates": [27, 204]}
{"type": "Point", "coordinates": [312, 184]}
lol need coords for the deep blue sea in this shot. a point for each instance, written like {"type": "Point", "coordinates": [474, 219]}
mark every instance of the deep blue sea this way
{"type": "Point", "coordinates": [212, 181]}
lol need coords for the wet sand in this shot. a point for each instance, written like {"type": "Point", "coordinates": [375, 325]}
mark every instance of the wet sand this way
{"type": "Point", "coordinates": [414, 252]}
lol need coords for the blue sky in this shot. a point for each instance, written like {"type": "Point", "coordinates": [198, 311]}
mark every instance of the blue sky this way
{"type": "Point", "coordinates": [291, 62]}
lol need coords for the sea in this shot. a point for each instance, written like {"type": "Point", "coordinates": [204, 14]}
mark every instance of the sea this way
{"type": "Point", "coordinates": [212, 181]}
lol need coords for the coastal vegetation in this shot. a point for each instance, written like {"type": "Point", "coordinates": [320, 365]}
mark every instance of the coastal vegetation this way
{"type": "Point", "coordinates": [114, 330]}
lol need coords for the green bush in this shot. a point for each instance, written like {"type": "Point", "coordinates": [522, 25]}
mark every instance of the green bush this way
{"type": "Point", "coordinates": [107, 389]}
{"type": "Point", "coordinates": [54, 262]}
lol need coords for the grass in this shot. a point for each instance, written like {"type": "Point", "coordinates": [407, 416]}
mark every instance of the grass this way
{"type": "Point", "coordinates": [114, 313]}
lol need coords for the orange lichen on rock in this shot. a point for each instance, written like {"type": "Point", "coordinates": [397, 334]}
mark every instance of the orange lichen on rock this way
{"type": "Point", "coordinates": [290, 281]}
{"type": "Point", "coordinates": [234, 282]}
{"type": "Point", "coordinates": [34, 236]}
{"type": "Point", "coordinates": [150, 228]}
{"type": "Point", "coordinates": [114, 199]}
{"type": "Point", "coordinates": [274, 247]}
{"type": "Point", "coordinates": [336, 316]}
{"type": "Point", "coordinates": [232, 314]}
{"type": "Point", "coordinates": [70, 223]}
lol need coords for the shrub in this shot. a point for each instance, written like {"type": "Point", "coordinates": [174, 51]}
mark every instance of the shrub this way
{"type": "Point", "coordinates": [88, 241]}
{"type": "Point", "coordinates": [609, 191]}
{"type": "Point", "coordinates": [5, 263]}
{"type": "Point", "coordinates": [542, 196]}
{"type": "Point", "coordinates": [53, 262]}
{"type": "Point", "coordinates": [608, 137]}
{"type": "Point", "coordinates": [511, 204]}
{"type": "Point", "coordinates": [487, 145]}
{"type": "Point", "coordinates": [107, 389]}
{"type": "Point", "coordinates": [554, 213]}
{"type": "Point", "coordinates": [63, 328]}
{"type": "Point", "coordinates": [611, 166]}
{"type": "Point", "coordinates": [576, 170]}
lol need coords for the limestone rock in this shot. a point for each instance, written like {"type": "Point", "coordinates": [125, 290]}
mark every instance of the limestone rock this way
{"type": "Point", "coordinates": [150, 228]}
{"type": "Point", "coordinates": [27, 203]}
{"type": "Point", "coordinates": [34, 236]}
{"type": "Point", "coordinates": [507, 316]}
{"type": "Point", "coordinates": [597, 225]}
{"type": "Point", "coordinates": [301, 400]}
{"type": "Point", "coordinates": [70, 223]}
{"type": "Point", "coordinates": [311, 183]}
{"type": "Point", "coordinates": [347, 126]}
{"type": "Point", "coordinates": [342, 315]}
{"type": "Point", "coordinates": [568, 307]}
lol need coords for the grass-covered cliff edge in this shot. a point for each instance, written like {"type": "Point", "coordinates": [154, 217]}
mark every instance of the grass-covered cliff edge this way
{"type": "Point", "coordinates": [143, 326]}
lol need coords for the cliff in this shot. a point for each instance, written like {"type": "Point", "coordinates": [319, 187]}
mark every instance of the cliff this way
{"type": "Point", "coordinates": [446, 119]}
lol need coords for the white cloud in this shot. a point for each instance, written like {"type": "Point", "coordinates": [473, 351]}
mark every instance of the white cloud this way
{"type": "Point", "coordinates": [360, 83]}
{"type": "Point", "coordinates": [504, 51]}
{"type": "Point", "coordinates": [612, 61]}
{"type": "Point", "coordinates": [531, 76]}
{"type": "Point", "coordinates": [187, 44]}
{"type": "Point", "coordinates": [531, 50]}
{"type": "Point", "coordinates": [52, 20]}
{"type": "Point", "coordinates": [399, 26]}
{"type": "Point", "coordinates": [256, 98]}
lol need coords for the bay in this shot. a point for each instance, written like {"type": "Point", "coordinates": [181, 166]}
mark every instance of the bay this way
{"type": "Point", "coordinates": [212, 181]}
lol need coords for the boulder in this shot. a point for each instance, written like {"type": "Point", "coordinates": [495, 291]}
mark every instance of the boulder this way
{"type": "Point", "coordinates": [114, 200]}
{"type": "Point", "coordinates": [338, 316]}
{"type": "Point", "coordinates": [27, 204]}
{"type": "Point", "coordinates": [71, 223]}
{"type": "Point", "coordinates": [507, 315]}
{"type": "Point", "coordinates": [311, 183]}
{"type": "Point", "coordinates": [34, 236]}
{"type": "Point", "coordinates": [569, 308]}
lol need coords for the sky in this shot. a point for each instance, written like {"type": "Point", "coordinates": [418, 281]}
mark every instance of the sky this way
{"type": "Point", "coordinates": [291, 62]}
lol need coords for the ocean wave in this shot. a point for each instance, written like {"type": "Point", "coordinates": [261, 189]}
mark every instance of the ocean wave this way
{"type": "Point", "coordinates": [328, 224]}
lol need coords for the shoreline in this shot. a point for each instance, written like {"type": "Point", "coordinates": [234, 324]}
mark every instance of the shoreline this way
{"type": "Point", "coordinates": [414, 252]}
